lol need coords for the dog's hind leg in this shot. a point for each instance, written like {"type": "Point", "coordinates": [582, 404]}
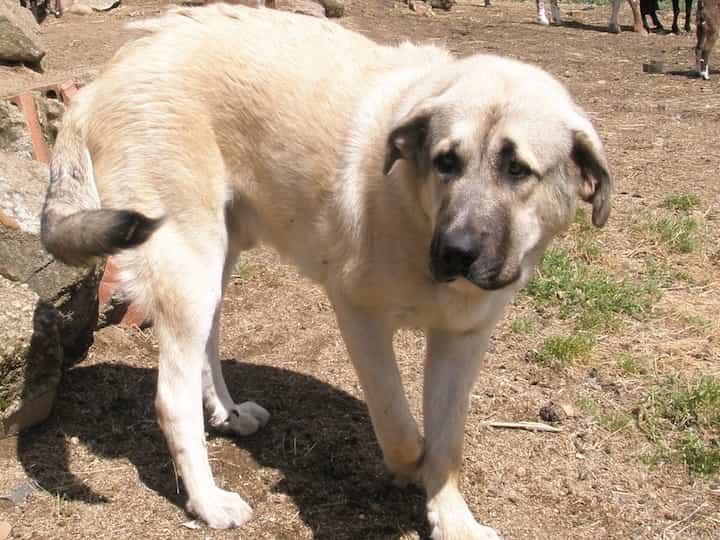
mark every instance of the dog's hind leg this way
{"type": "Point", "coordinates": [186, 283]}
{"type": "Point", "coordinates": [224, 414]}
{"type": "Point", "coordinates": [452, 365]}
{"type": "Point", "coordinates": [368, 338]}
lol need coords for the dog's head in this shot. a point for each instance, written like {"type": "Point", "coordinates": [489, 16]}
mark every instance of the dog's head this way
{"type": "Point", "coordinates": [499, 153]}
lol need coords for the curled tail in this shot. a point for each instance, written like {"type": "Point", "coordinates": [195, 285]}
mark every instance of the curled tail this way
{"type": "Point", "coordinates": [73, 226]}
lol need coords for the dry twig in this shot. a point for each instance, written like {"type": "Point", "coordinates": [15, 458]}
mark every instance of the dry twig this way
{"type": "Point", "coordinates": [529, 426]}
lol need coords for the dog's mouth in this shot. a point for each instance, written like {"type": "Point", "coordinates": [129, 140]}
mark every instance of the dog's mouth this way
{"type": "Point", "coordinates": [486, 275]}
{"type": "Point", "coordinates": [485, 267]}
{"type": "Point", "coordinates": [484, 282]}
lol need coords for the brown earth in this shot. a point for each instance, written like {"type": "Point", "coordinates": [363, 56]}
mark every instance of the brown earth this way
{"type": "Point", "coordinates": [315, 470]}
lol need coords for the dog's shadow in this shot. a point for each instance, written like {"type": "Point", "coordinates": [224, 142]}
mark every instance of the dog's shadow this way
{"type": "Point", "coordinates": [319, 438]}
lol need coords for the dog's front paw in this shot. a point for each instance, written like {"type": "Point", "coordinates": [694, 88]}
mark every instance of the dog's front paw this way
{"type": "Point", "coordinates": [242, 419]}
{"type": "Point", "coordinates": [450, 519]}
{"type": "Point", "coordinates": [457, 531]}
{"type": "Point", "coordinates": [220, 509]}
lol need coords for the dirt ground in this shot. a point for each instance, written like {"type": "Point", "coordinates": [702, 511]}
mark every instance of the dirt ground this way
{"type": "Point", "coordinates": [315, 470]}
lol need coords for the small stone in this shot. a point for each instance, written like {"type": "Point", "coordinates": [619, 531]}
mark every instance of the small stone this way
{"type": "Point", "coordinates": [442, 4]}
{"type": "Point", "coordinates": [552, 412]}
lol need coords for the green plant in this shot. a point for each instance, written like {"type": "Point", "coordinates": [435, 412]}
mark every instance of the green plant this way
{"type": "Point", "coordinates": [614, 421]}
{"type": "Point", "coordinates": [585, 292]}
{"type": "Point", "coordinates": [682, 203]}
{"type": "Point", "coordinates": [679, 233]}
{"type": "Point", "coordinates": [522, 325]}
{"type": "Point", "coordinates": [683, 417]}
{"type": "Point", "coordinates": [700, 457]}
{"type": "Point", "coordinates": [631, 365]}
{"type": "Point", "coordinates": [564, 349]}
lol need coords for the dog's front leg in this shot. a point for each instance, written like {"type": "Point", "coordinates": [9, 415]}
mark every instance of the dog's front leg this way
{"type": "Point", "coordinates": [368, 337]}
{"type": "Point", "coordinates": [451, 367]}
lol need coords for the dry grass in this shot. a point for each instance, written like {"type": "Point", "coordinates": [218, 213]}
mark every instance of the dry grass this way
{"type": "Point", "coordinates": [635, 457]}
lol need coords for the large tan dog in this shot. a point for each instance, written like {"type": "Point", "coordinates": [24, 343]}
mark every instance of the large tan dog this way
{"type": "Point", "coordinates": [419, 189]}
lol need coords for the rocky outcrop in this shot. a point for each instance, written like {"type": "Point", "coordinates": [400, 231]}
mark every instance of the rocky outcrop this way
{"type": "Point", "coordinates": [47, 310]}
{"type": "Point", "coordinates": [19, 35]}
{"type": "Point", "coordinates": [14, 135]}
{"type": "Point", "coordinates": [333, 8]}
{"type": "Point", "coordinates": [304, 7]}
{"type": "Point", "coordinates": [72, 291]}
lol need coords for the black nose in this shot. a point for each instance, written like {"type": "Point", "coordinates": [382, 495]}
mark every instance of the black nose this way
{"type": "Point", "coordinates": [452, 254]}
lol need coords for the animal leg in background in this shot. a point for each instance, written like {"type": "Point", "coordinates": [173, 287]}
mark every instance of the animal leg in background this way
{"type": "Point", "coordinates": [676, 15]}
{"type": "Point", "coordinates": [708, 17]}
{"type": "Point", "coordinates": [650, 7]}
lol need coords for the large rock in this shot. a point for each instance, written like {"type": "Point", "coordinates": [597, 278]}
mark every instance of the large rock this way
{"type": "Point", "coordinates": [14, 134]}
{"type": "Point", "coordinates": [442, 4]}
{"type": "Point", "coordinates": [23, 183]}
{"type": "Point", "coordinates": [19, 34]}
{"type": "Point", "coordinates": [30, 357]}
{"type": "Point", "coordinates": [72, 291]}
{"type": "Point", "coordinates": [333, 8]}
{"type": "Point", "coordinates": [304, 7]}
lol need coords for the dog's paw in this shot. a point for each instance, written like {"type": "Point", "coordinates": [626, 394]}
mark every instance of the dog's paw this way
{"type": "Point", "coordinates": [221, 509]}
{"type": "Point", "coordinates": [470, 531]}
{"type": "Point", "coordinates": [450, 519]}
{"type": "Point", "coordinates": [242, 419]}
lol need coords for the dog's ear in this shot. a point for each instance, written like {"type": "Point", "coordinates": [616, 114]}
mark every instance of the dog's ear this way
{"type": "Point", "coordinates": [407, 139]}
{"type": "Point", "coordinates": [596, 186]}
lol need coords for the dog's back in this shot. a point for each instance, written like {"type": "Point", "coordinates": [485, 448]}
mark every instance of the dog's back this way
{"type": "Point", "coordinates": [188, 114]}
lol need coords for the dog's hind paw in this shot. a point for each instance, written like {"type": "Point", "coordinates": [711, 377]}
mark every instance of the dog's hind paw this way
{"type": "Point", "coordinates": [221, 509]}
{"type": "Point", "coordinates": [242, 419]}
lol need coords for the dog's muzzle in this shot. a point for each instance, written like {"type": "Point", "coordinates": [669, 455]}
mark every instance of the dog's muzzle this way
{"type": "Point", "coordinates": [470, 255]}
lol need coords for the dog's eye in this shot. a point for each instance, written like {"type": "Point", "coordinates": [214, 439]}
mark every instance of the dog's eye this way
{"type": "Point", "coordinates": [448, 164]}
{"type": "Point", "coordinates": [518, 170]}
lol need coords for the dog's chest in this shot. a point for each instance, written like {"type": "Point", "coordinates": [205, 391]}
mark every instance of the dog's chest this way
{"type": "Point", "coordinates": [457, 307]}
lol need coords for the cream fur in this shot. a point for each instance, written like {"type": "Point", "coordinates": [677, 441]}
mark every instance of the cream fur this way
{"type": "Point", "coordinates": [237, 127]}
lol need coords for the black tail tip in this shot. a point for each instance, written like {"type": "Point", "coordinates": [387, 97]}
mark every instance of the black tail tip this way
{"type": "Point", "coordinates": [130, 229]}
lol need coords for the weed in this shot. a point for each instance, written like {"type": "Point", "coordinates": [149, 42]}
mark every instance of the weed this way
{"type": "Point", "coordinates": [586, 293]}
{"type": "Point", "coordinates": [614, 421]}
{"type": "Point", "coordinates": [564, 350]}
{"type": "Point", "coordinates": [631, 365]}
{"type": "Point", "coordinates": [682, 203]}
{"type": "Point", "coordinates": [522, 325]}
{"type": "Point", "coordinates": [694, 403]}
{"type": "Point", "coordinates": [679, 233]}
{"type": "Point", "coordinates": [244, 270]}
{"type": "Point", "coordinates": [695, 322]}
{"type": "Point", "coordinates": [684, 417]}
{"type": "Point", "coordinates": [587, 404]}
{"type": "Point", "coordinates": [699, 456]}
